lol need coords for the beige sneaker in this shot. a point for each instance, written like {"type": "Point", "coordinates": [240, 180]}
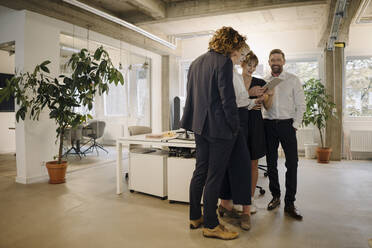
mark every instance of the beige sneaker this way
{"type": "Point", "coordinates": [253, 207]}
{"type": "Point", "coordinates": [245, 222]}
{"type": "Point", "coordinates": [220, 232]}
{"type": "Point", "coordinates": [194, 224]}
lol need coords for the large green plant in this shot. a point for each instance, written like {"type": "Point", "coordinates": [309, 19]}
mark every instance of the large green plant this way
{"type": "Point", "coordinates": [319, 107]}
{"type": "Point", "coordinates": [36, 91]}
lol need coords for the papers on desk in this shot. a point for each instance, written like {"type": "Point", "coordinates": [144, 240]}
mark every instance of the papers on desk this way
{"type": "Point", "coordinates": [162, 136]}
{"type": "Point", "coordinates": [271, 84]}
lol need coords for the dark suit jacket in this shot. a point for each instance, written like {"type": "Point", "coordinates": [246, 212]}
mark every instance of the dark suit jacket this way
{"type": "Point", "coordinates": [210, 108]}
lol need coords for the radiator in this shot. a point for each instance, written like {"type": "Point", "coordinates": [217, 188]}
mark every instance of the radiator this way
{"type": "Point", "coordinates": [360, 141]}
{"type": "Point", "coordinates": [304, 136]}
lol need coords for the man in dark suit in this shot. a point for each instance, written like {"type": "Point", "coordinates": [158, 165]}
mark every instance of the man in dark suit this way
{"type": "Point", "coordinates": [212, 114]}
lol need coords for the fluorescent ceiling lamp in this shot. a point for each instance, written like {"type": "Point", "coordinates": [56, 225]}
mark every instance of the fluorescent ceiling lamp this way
{"type": "Point", "coordinates": [120, 22]}
{"type": "Point", "coordinates": [70, 49]}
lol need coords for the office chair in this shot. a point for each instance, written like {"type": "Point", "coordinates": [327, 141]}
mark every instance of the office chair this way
{"type": "Point", "coordinates": [74, 137]}
{"type": "Point", "coordinates": [97, 130]}
{"type": "Point", "coordinates": [264, 169]}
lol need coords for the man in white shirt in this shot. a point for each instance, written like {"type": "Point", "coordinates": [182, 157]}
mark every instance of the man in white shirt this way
{"type": "Point", "coordinates": [282, 120]}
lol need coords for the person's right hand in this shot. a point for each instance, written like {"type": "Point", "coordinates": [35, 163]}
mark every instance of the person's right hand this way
{"type": "Point", "coordinates": [269, 92]}
{"type": "Point", "coordinates": [256, 91]}
{"type": "Point", "coordinates": [258, 103]}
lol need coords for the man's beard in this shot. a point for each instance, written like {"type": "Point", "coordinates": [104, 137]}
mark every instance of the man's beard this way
{"type": "Point", "coordinates": [276, 69]}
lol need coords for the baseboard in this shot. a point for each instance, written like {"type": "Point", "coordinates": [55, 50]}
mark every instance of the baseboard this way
{"type": "Point", "coordinates": [29, 180]}
{"type": "Point", "coordinates": [7, 151]}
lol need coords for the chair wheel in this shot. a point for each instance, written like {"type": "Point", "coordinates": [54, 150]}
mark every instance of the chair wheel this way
{"type": "Point", "coordinates": [262, 191]}
{"type": "Point", "coordinates": [131, 191]}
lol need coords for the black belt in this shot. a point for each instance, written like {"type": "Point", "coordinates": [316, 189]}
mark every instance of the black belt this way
{"type": "Point", "coordinates": [278, 120]}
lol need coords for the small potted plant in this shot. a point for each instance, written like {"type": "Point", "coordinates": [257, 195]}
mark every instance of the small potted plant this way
{"type": "Point", "coordinates": [36, 91]}
{"type": "Point", "coordinates": [319, 109]}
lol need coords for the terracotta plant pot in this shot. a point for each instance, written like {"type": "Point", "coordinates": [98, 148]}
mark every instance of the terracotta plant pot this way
{"type": "Point", "coordinates": [323, 154]}
{"type": "Point", "coordinates": [57, 172]}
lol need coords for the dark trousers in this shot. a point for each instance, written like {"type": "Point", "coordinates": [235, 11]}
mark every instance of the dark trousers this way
{"type": "Point", "coordinates": [282, 131]}
{"type": "Point", "coordinates": [237, 182]}
{"type": "Point", "coordinates": [236, 185]}
{"type": "Point", "coordinates": [212, 159]}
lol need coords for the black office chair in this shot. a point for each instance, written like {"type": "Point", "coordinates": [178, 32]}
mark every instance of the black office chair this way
{"type": "Point", "coordinates": [94, 131]}
{"type": "Point", "coordinates": [263, 168]}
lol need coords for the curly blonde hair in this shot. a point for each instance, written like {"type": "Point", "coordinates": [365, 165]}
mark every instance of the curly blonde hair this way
{"type": "Point", "coordinates": [225, 40]}
{"type": "Point", "coordinates": [250, 57]}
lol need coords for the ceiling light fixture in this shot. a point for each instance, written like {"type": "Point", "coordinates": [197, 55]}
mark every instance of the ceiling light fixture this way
{"type": "Point", "coordinates": [120, 22]}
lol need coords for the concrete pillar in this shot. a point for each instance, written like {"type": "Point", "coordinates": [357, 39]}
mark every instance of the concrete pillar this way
{"type": "Point", "coordinates": [335, 76]}
{"type": "Point", "coordinates": [165, 79]}
{"type": "Point", "coordinates": [36, 39]}
{"type": "Point", "coordinates": [329, 85]}
{"type": "Point", "coordinates": [339, 78]}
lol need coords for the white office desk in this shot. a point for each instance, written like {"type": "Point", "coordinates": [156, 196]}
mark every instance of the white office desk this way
{"type": "Point", "coordinates": [142, 140]}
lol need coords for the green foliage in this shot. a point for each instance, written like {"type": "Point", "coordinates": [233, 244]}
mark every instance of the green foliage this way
{"type": "Point", "coordinates": [35, 91]}
{"type": "Point", "coordinates": [319, 107]}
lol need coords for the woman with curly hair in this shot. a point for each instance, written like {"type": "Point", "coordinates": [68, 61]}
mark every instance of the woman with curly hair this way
{"type": "Point", "coordinates": [212, 114]}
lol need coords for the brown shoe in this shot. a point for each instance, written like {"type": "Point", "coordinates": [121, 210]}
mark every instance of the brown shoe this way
{"type": "Point", "coordinates": [194, 224]}
{"type": "Point", "coordinates": [220, 232]}
{"type": "Point", "coordinates": [233, 213]}
{"type": "Point", "coordinates": [245, 222]}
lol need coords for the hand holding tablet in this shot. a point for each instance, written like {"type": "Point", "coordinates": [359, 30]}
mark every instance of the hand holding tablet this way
{"type": "Point", "coordinates": [271, 84]}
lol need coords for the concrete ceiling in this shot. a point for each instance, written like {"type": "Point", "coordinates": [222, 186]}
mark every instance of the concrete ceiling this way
{"type": "Point", "coordinates": [284, 19]}
{"type": "Point", "coordinates": [365, 12]}
{"type": "Point", "coordinates": [169, 18]}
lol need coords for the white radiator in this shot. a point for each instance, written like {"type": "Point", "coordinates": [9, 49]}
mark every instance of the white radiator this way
{"type": "Point", "coordinates": [360, 141]}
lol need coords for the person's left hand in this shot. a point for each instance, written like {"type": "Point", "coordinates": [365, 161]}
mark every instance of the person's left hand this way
{"type": "Point", "coordinates": [257, 106]}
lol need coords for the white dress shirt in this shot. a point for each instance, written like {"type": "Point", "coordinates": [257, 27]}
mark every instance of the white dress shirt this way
{"type": "Point", "coordinates": [241, 93]}
{"type": "Point", "coordinates": [288, 100]}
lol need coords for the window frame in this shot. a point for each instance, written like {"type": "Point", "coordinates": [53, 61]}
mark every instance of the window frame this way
{"type": "Point", "coordinates": [344, 114]}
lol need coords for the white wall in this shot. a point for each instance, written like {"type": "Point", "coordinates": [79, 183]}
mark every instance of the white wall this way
{"type": "Point", "coordinates": [37, 39]}
{"type": "Point", "coordinates": [360, 40]}
{"type": "Point", "coordinates": [7, 119]}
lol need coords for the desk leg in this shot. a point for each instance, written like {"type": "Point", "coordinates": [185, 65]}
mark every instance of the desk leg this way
{"type": "Point", "coordinates": [119, 168]}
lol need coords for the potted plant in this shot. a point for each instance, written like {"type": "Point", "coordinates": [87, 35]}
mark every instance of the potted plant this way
{"type": "Point", "coordinates": [319, 109]}
{"type": "Point", "coordinates": [36, 91]}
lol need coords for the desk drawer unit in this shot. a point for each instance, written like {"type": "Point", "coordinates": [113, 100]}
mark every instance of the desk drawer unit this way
{"type": "Point", "coordinates": [148, 173]}
{"type": "Point", "coordinates": [179, 176]}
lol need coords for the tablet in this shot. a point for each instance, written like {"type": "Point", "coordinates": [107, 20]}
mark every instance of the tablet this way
{"type": "Point", "coordinates": [271, 84]}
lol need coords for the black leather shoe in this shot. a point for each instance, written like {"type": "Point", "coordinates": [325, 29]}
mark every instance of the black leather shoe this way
{"type": "Point", "coordinates": [293, 212]}
{"type": "Point", "coordinates": [274, 203]}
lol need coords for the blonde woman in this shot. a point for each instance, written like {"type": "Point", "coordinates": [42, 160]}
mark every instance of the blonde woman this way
{"type": "Point", "coordinates": [256, 130]}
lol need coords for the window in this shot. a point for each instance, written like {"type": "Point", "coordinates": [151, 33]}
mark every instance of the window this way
{"type": "Point", "coordinates": [185, 66]}
{"type": "Point", "coordinates": [139, 95]}
{"type": "Point", "coordinates": [358, 87]}
{"type": "Point", "coordinates": [116, 100]}
{"type": "Point", "coordinates": [303, 69]}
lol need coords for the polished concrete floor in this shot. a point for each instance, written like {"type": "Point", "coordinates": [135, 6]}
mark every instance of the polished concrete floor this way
{"type": "Point", "coordinates": [335, 199]}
